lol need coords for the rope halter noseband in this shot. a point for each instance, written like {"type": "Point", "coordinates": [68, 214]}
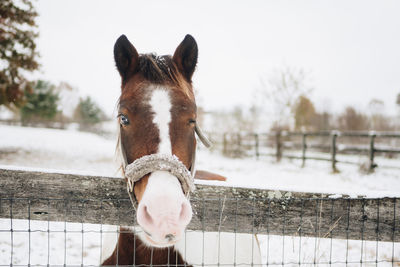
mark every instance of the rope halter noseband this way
{"type": "Point", "coordinates": [160, 162]}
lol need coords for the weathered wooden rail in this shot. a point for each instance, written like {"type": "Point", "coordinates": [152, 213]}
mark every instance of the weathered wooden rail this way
{"type": "Point", "coordinates": [103, 200]}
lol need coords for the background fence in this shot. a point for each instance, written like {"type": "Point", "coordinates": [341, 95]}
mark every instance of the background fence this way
{"type": "Point", "coordinates": [291, 228]}
{"type": "Point", "coordinates": [334, 147]}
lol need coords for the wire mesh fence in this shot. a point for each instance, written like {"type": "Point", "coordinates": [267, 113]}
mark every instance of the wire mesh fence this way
{"type": "Point", "coordinates": [271, 235]}
{"type": "Point", "coordinates": [72, 226]}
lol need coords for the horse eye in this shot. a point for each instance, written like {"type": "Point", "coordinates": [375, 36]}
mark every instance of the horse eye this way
{"type": "Point", "coordinates": [123, 119]}
{"type": "Point", "coordinates": [192, 121]}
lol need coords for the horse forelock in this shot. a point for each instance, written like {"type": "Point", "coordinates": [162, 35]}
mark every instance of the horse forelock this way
{"type": "Point", "coordinates": [161, 70]}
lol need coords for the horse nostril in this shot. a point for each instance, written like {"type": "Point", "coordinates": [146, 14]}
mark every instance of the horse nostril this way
{"type": "Point", "coordinates": [144, 217]}
{"type": "Point", "coordinates": [147, 215]}
{"type": "Point", "coordinates": [170, 237]}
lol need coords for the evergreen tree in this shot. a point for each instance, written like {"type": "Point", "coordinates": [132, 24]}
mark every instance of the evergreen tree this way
{"type": "Point", "coordinates": [88, 112]}
{"type": "Point", "coordinates": [41, 103]}
{"type": "Point", "coordinates": [17, 50]}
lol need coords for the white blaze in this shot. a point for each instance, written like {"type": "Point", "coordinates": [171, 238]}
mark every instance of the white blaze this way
{"type": "Point", "coordinates": [163, 197]}
{"type": "Point", "coordinates": [160, 103]}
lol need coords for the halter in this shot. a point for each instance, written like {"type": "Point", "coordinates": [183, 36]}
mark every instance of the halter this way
{"type": "Point", "coordinates": [161, 162]}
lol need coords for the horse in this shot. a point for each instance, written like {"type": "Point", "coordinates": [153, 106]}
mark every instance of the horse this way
{"type": "Point", "coordinates": [157, 117]}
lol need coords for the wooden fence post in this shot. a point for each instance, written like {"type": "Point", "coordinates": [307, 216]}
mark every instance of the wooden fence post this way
{"type": "Point", "coordinates": [257, 151]}
{"type": "Point", "coordinates": [333, 151]}
{"type": "Point", "coordinates": [239, 150]}
{"type": "Point", "coordinates": [225, 144]}
{"type": "Point", "coordinates": [278, 146]}
{"type": "Point", "coordinates": [304, 147]}
{"type": "Point", "coordinates": [372, 165]}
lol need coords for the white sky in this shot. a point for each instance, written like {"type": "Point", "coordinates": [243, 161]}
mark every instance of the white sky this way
{"type": "Point", "coordinates": [351, 48]}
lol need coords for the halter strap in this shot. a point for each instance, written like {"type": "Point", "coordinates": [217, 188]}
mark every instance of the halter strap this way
{"type": "Point", "coordinates": [160, 162]}
{"type": "Point", "coordinates": [207, 143]}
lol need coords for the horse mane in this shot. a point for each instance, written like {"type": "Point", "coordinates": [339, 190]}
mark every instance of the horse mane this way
{"type": "Point", "coordinates": [162, 70]}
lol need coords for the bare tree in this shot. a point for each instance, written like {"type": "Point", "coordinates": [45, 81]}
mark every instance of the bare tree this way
{"type": "Point", "coordinates": [379, 121]}
{"type": "Point", "coordinates": [323, 121]}
{"type": "Point", "coordinates": [281, 91]}
{"type": "Point", "coordinates": [352, 120]}
{"type": "Point", "coordinates": [238, 119]}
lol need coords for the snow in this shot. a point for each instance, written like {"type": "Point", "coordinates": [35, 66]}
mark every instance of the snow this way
{"type": "Point", "coordinates": [57, 149]}
{"type": "Point", "coordinates": [90, 154]}
{"type": "Point", "coordinates": [5, 114]}
{"type": "Point", "coordinates": [316, 177]}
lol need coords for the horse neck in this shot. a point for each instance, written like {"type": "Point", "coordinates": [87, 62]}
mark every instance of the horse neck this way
{"type": "Point", "coordinates": [131, 250]}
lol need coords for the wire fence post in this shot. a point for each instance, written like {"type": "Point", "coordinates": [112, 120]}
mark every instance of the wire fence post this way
{"type": "Point", "coordinates": [333, 151]}
{"type": "Point", "coordinates": [372, 164]}
{"type": "Point", "coordinates": [257, 151]}
{"type": "Point", "coordinates": [304, 148]}
{"type": "Point", "coordinates": [278, 146]}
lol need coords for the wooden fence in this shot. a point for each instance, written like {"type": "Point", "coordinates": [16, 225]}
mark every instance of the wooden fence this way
{"type": "Point", "coordinates": [282, 142]}
{"type": "Point", "coordinates": [103, 200]}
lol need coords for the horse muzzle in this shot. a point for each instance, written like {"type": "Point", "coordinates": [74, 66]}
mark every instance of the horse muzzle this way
{"type": "Point", "coordinates": [164, 210]}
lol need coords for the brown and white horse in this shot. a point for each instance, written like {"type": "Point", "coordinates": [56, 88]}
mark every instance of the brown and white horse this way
{"type": "Point", "coordinates": [157, 115]}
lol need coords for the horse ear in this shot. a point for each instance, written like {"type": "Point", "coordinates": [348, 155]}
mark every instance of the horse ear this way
{"type": "Point", "coordinates": [185, 56]}
{"type": "Point", "coordinates": [126, 57]}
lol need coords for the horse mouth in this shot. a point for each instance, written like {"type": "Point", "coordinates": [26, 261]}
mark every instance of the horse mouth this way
{"type": "Point", "coordinates": [166, 243]}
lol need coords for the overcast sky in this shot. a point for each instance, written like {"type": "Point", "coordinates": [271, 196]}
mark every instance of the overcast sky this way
{"type": "Point", "coordinates": [350, 48]}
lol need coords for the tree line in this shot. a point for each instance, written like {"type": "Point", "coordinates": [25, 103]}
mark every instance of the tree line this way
{"type": "Point", "coordinates": [306, 117]}
{"type": "Point", "coordinates": [284, 103]}
{"type": "Point", "coordinates": [33, 102]}
{"type": "Point", "coordinates": [45, 105]}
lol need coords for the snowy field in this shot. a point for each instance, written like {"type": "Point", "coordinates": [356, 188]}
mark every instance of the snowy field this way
{"type": "Point", "coordinates": [85, 153]}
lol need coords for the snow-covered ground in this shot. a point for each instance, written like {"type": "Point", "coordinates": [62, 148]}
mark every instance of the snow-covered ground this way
{"type": "Point", "coordinates": [62, 150]}
{"type": "Point", "coordinates": [86, 153]}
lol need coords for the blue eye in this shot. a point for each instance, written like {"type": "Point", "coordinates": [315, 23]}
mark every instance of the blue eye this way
{"type": "Point", "coordinates": [123, 120]}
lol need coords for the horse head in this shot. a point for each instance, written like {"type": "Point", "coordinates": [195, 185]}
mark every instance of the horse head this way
{"type": "Point", "coordinates": [157, 116]}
